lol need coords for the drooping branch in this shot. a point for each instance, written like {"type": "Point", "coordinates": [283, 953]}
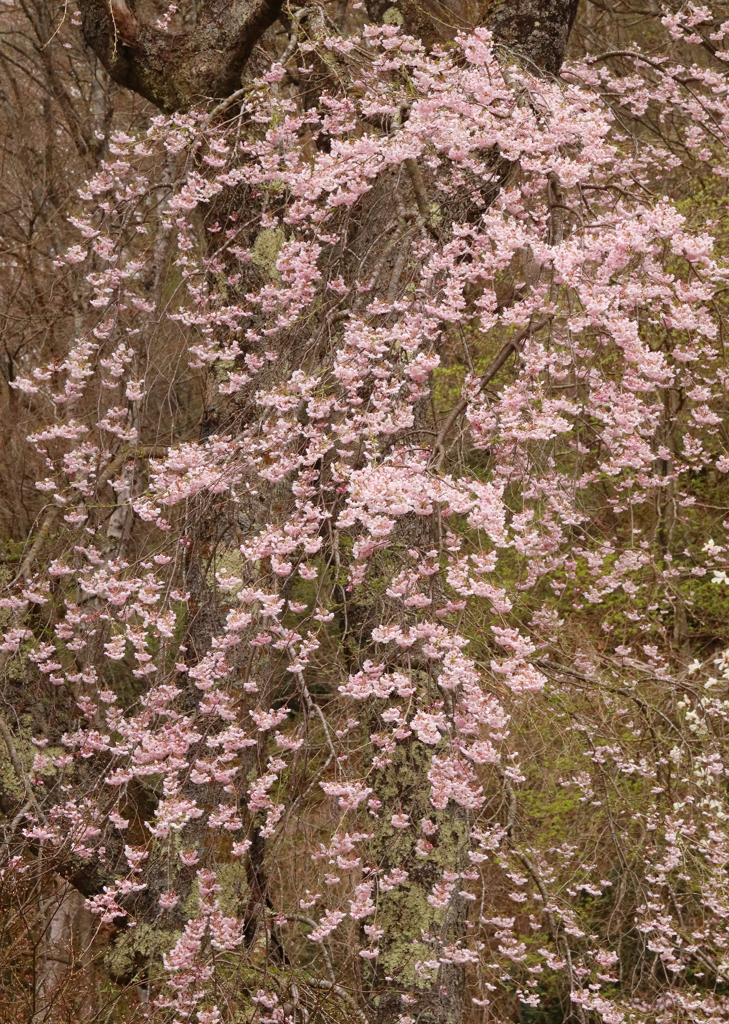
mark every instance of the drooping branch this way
{"type": "Point", "coordinates": [175, 70]}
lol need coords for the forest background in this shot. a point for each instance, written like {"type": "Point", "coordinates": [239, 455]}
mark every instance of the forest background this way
{"type": "Point", "coordinates": [363, 512]}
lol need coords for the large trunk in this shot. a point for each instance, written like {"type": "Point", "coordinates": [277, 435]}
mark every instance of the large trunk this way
{"type": "Point", "coordinates": [537, 31]}
{"type": "Point", "coordinates": [65, 982]}
{"type": "Point", "coordinates": [176, 70]}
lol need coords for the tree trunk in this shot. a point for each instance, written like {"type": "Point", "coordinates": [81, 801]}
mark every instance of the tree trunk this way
{"type": "Point", "coordinates": [65, 986]}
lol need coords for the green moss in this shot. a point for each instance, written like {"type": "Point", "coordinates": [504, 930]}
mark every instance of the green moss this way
{"type": "Point", "coordinates": [26, 751]}
{"type": "Point", "coordinates": [234, 885]}
{"type": "Point", "coordinates": [144, 943]}
{"type": "Point", "coordinates": [266, 249]}
{"type": "Point", "coordinates": [404, 912]}
{"type": "Point", "coordinates": [401, 960]}
{"type": "Point", "coordinates": [228, 560]}
{"type": "Point", "coordinates": [9, 782]}
{"type": "Point", "coordinates": [393, 17]}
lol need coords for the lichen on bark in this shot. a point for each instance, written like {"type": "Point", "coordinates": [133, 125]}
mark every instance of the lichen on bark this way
{"type": "Point", "coordinates": [414, 929]}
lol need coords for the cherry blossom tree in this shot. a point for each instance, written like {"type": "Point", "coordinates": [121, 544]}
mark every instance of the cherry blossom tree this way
{"type": "Point", "coordinates": [378, 695]}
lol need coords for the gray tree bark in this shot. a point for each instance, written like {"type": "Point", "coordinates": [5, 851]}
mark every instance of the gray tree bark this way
{"type": "Point", "coordinates": [64, 968]}
{"type": "Point", "coordinates": [174, 70]}
{"type": "Point", "coordinates": [537, 31]}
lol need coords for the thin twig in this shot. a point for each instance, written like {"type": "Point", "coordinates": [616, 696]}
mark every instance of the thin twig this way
{"type": "Point", "coordinates": [509, 348]}
{"type": "Point", "coordinates": [342, 993]}
{"type": "Point", "coordinates": [303, 919]}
